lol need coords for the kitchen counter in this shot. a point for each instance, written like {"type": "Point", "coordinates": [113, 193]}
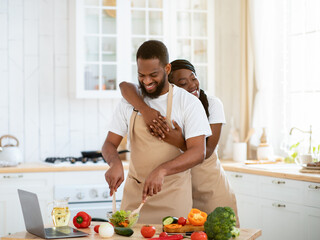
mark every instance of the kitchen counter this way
{"type": "Point", "coordinates": [245, 234]}
{"type": "Point", "coordinates": [48, 167]}
{"type": "Point", "coordinates": [280, 170]}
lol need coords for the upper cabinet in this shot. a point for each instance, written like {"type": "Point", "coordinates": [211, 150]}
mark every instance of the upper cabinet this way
{"type": "Point", "coordinates": [107, 34]}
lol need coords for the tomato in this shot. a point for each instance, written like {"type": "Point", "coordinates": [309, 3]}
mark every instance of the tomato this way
{"type": "Point", "coordinates": [148, 231]}
{"type": "Point", "coordinates": [163, 234]}
{"type": "Point", "coordinates": [182, 221]}
{"type": "Point", "coordinates": [199, 236]}
{"type": "Point", "coordinates": [96, 228]}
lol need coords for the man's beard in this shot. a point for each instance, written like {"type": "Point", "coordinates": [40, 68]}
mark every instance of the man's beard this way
{"type": "Point", "coordinates": [158, 90]}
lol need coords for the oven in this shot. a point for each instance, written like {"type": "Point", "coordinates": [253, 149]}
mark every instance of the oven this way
{"type": "Point", "coordinates": [92, 199]}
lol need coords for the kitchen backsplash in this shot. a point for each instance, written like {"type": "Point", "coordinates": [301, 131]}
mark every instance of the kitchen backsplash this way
{"type": "Point", "coordinates": [37, 94]}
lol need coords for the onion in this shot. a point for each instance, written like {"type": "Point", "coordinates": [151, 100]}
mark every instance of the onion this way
{"type": "Point", "coordinates": [106, 230]}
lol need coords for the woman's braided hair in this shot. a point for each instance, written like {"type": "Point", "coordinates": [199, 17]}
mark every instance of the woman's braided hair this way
{"type": "Point", "coordinates": [185, 64]}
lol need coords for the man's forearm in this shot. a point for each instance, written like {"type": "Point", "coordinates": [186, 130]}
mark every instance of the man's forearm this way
{"type": "Point", "coordinates": [110, 154]}
{"type": "Point", "coordinates": [190, 158]}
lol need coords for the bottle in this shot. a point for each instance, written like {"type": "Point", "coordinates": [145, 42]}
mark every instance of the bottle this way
{"type": "Point", "coordinates": [264, 150]}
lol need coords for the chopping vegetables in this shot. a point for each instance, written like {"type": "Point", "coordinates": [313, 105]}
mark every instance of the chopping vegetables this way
{"type": "Point", "coordinates": [197, 217]}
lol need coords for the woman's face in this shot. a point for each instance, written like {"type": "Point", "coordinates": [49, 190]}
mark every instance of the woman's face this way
{"type": "Point", "coordinates": [186, 79]}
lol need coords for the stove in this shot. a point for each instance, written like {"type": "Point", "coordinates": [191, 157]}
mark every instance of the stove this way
{"type": "Point", "coordinates": [74, 160]}
{"type": "Point", "coordinates": [89, 158]}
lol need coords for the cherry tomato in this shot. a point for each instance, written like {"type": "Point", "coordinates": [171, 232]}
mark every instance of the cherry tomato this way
{"type": "Point", "coordinates": [148, 231]}
{"type": "Point", "coordinates": [199, 236]}
{"type": "Point", "coordinates": [182, 221]}
{"type": "Point", "coordinates": [163, 234]}
{"type": "Point", "coordinates": [96, 228]}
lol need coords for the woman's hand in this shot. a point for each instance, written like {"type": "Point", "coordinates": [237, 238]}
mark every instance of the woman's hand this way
{"type": "Point", "coordinates": [174, 137]}
{"type": "Point", "coordinates": [156, 123]}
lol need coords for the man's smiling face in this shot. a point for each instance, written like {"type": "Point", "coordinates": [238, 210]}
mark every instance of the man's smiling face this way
{"type": "Point", "coordinates": [152, 77]}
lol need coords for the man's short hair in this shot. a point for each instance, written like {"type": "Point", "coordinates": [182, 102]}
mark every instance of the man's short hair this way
{"type": "Point", "coordinates": [153, 49]}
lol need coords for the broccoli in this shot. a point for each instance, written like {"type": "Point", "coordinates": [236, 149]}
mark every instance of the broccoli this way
{"type": "Point", "coordinates": [235, 232]}
{"type": "Point", "coordinates": [220, 224]}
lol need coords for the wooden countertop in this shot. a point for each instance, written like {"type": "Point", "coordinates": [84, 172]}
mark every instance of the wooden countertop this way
{"type": "Point", "coordinates": [280, 170]}
{"type": "Point", "coordinates": [47, 167]}
{"type": "Point", "coordinates": [245, 234]}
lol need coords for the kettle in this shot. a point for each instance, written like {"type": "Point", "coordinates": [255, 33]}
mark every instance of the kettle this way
{"type": "Point", "coordinates": [10, 152]}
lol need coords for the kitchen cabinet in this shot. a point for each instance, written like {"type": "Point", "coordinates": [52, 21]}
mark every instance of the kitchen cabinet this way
{"type": "Point", "coordinates": [45, 185]}
{"type": "Point", "coordinates": [282, 208]}
{"type": "Point", "coordinates": [11, 217]}
{"type": "Point", "coordinates": [107, 34]}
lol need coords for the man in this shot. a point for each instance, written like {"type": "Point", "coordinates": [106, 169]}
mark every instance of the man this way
{"type": "Point", "coordinates": [157, 169]}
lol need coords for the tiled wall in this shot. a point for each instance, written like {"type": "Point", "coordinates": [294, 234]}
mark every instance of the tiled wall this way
{"type": "Point", "coordinates": [37, 94]}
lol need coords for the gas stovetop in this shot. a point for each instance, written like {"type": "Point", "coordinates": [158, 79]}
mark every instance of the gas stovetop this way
{"type": "Point", "coordinates": [91, 157]}
{"type": "Point", "coordinates": [74, 160]}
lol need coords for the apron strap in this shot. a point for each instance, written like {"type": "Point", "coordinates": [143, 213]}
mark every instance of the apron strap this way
{"type": "Point", "coordinates": [169, 104]}
{"type": "Point", "coordinates": [132, 120]}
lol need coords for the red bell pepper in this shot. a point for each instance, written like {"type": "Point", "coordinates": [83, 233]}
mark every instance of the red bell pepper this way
{"type": "Point", "coordinates": [82, 220]}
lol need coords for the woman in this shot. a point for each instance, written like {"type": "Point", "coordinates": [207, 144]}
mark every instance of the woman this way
{"type": "Point", "coordinates": [210, 187]}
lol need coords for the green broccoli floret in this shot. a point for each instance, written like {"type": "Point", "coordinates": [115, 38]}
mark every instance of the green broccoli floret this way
{"type": "Point", "coordinates": [235, 232]}
{"type": "Point", "coordinates": [220, 223]}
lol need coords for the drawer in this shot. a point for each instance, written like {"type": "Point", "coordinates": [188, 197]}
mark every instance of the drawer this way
{"type": "Point", "coordinates": [311, 194]}
{"type": "Point", "coordinates": [42, 182]}
{"type": "Point", "coordinates": [243, 183]}
{"type": "Point", "coordinates": [281, 189]}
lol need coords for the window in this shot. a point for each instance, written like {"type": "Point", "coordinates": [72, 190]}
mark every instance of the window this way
{"type": "Point", "coordinates": [109, 32]}
{"type": "Point", "coordinates": [287, 52]}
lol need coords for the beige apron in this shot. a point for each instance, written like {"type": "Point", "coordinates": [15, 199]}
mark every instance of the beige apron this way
{"type": "Point", "coordinates": [210, 187]}
{"type": "Point", "coordinates": [147, 152]}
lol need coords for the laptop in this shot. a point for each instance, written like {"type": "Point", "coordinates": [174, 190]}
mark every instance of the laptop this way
{"type": "Point", "coordinates": [33, 219]}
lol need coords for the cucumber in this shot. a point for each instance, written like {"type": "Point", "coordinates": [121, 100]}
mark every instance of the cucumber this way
{"type": "Point", "coordinates": [123, 231]}
{"type": "Point", "coordinates": [169, 220]}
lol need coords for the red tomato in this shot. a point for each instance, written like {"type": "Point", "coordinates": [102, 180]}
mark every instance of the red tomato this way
{"type": "Point", "coordinates": [199, 236]}
{"type": "Point", "coordinates": [182, 221]}
{"type": "Point", "coordinates": [96, 228]}
{"type": "Point", "coordinates": [148, 231]}
{"type": "Point", "coordinates": [163, 234]}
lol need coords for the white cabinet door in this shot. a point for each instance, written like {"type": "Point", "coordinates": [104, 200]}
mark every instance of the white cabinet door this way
{"type": "Point", "coordinates": [311, 194]}
{"type": "Point", "coordinates": [311, 223]}
{"type": "Point", "coordinates": [11, 217]}
{"type": "Point", "coordinates": [281, 220]}
{"type": "Point", "coordinates": [248, 211]}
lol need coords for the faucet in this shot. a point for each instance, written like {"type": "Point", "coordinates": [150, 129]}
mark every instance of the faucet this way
{"type": "Point", "coordinates": [310, 134]}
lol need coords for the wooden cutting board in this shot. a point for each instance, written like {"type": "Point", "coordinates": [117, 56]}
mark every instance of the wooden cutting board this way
{"type": "Point", "coordinates": [183, 229]}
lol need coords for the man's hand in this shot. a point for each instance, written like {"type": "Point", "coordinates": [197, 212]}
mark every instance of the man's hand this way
{"type": "Point", "coordinates": [153, 183]}
{"type": "Point", "coordinates": [114, 177]}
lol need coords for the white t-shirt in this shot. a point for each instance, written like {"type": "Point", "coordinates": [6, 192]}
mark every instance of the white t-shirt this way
{"type": "Point", "coordinates": [187, 111]}
{"type": "Point", "coordinates": [216, 112]}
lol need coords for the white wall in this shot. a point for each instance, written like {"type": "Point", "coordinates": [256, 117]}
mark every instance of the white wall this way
{"type": "Point", "coordinates": [37, 103]}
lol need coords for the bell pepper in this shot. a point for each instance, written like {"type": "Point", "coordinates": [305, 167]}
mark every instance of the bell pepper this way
{"type": "Point", "coordinates": [82, 220]}
{"type": "Point", "coordinates": [197, 217]}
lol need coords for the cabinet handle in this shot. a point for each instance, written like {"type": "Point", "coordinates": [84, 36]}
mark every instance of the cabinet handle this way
{"type": "Point", "coordinates": [278, 205]}
{"type": "Point", "coordinates": [314, 187]}
{"type": "Point", "coordinates": [14, 176]}
{"type": "Point", "coordinates": [278, 182]}
{"type": "Point", "coordinates": [238, 176]}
